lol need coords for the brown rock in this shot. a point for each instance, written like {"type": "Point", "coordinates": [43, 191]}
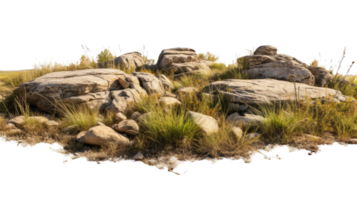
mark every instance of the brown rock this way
{"type": "Point", "coordinates": [126, 61]}
{"type": "Point", "coordinates": [322, 76]}
{"type": "Point", "coordinates": [207, 124]}
{"type": "Point", "coordinates": [123, 83]}
{"type": "Point", "coordinates": [100, 135]}
{"type": "Point", "coordinates": [120, 117]}
{"type": "Point", "coordinates": [129, 127]}
{"type": "Point", "coordinates": [150, 83]}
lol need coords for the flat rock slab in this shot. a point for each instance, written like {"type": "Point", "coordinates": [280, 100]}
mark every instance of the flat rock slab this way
{"type": "Point", "coordinates": [100, 135]}
{"type": "Point", "coordinates": [266, 91]}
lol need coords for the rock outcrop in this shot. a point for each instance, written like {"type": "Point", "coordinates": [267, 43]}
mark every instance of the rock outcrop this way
{"type": "Point", "coordinates": [111, 89]}
{"type": "Point", "coordinates": [126, 61]}
{"type": "Point", "coordinates": [268, 63]}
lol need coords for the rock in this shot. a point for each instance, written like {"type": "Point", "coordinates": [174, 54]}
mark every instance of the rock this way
{"type": "Point", "coordinates": [236, 107]}
{"type": "Point", "coordinates": [237, 132]}
{"type": "Point", "coordinates": [124, 84]}
{"type": "Point", "coordinates": [91, 87]}
{"type": "Point", "coordinates": [266, 91]}
{"type": "Point", "coordinates": [80, 135]}
{"type": "Point", "coordinates": [129, 127]}
{"type": "Point", "coordinates": [176, 55]}
{"type": "Point", "coordinates": [270, 50]}
{"type": "Point", "coordinates": [13, 131]}
{"type": "Point", "coordinates": [186, 90]}
{"type": "Point", "coordinates": [48, 116]}
{"type": "Point", "coordinates": [135, 115]}
{"type": "Point", "coordinates": [168, 101]}
{"type": "Point", "coordinates": [207, 124]}
{"type": "Point", "coordinates": [130, 60]}
{"type": "Point", "coordinates": [100, 135]}
{"type": "Point", "coordinates": [252, 136]}
{"type": "Point", "coordinates": [19, 120]}
{"type": "Point", "coordinates": [312, 137]}
{"type": "Point", "coordinates": [184, 61]}
{"type": "Point", "coordinates": [168, 94]}
{"type": "Point", "coordinates": [9, 126]}
{"type": "Point", "coordinates": [322, 76]}
{"type": "Point", "coordinates": [267, 63]}
{"type": "Point", "coordinates": [120, 117]}
{"type": "Point", "coordinates": [166, 82]}
{"type": "Point", "coordinates": [150, 83]}
{"type": "Point", "coordinates": [69, 129]}
{"type": "Point", "coordinates": [138, 156]}
{"type": "Point", "coordinates": [246, 120]}
{"type": "Point", "coordinates": [52, 124]}
{"type": "Point", "coordinates": [100, 124]}
{"type": "Point", "coordinates": [353, 141]}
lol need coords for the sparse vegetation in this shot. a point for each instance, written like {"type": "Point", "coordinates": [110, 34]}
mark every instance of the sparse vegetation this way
{"type": "Point", "coordinates": [208, 56]}
{"type": "Point", "coordinates": [105, 55]}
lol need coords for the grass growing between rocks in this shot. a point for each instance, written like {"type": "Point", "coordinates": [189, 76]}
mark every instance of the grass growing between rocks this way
{"type": "Point", "coordinates": [170, 130]}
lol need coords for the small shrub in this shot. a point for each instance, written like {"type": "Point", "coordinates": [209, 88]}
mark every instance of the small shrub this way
{"type": "Point", "coordinates": [208, 56]}
{"type": "Point", "coordinates": [105, 55]}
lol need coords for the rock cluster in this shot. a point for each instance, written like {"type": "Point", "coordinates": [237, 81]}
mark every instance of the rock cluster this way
{"type": "Point", "coordinates": [111, 89]}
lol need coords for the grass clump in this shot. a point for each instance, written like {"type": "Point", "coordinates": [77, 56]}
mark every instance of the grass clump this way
{"type": "Point", "coordinates": [237, 71]}
{"type": "Point", "coordinates": [208, 56]}
{"type": "Point", "coordinates": [80, 116]}
{"type": "Point", "coordinates": [105, 55]}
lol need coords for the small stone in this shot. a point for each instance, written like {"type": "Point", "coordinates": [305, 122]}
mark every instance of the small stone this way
{"type": "Point", "coordinates": [10, 126]}
{"type": "Point", "coordinates": [207, 124]}
{"type": "Point", "coordinates": [19, 120]}
{"type": "Point", "coordinates": [236, 131]}
{"type": "Point", "coordinates": [172, 160]}
{"type": "Point", "coordinates": [135, 115]}
{"type": "Point", "coordinates": [138, 156]}
{"type": "Point", "coordinates": [52, 124]}
{"type": "Point", "coordinates": [312, 137]}
{"type": "Point", "coordinates": [69, 129]}
{"type": "Point", "coordinates": [120, 117]}
{"type": "Point", "coordinates": [129, 127]}
{"type": "Point", "coordinates": [123, 83]}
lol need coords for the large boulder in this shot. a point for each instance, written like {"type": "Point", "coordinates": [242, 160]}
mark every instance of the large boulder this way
{"type": "Point", "coordinates": [266, 91]}
{"type": "Point", "coordinates": [176, 55]}
{"type": "Point", "coordinates": [103, 88]}
{"type": "Point", "coordinates": [266, 62]}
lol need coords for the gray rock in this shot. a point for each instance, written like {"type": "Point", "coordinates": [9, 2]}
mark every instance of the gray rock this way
{"type": "Point", "coordinates": [138, 156]}
{"type": "Point", "coordinates": [135, 115]}
{"type": "Point", "coordinates": [322, 76]}
{"type": "Point", "coordinates": [207, 124]}
{"type": "Point", "coordinates": [130, 60]}
{"type": "Point", "coordinates": [150, 83]}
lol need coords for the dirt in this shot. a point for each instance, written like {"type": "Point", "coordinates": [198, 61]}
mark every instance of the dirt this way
{"type": "Point", "coordinates": [173, 163]}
